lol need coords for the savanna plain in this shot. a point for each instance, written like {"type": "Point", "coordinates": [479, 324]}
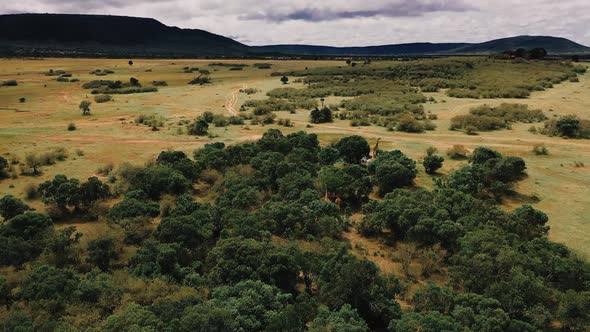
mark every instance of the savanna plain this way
{"type": "Point", "coordinates": [111, 119]}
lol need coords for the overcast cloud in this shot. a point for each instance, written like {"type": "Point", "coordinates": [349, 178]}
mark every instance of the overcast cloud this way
{"type": "Point", "coordinates": [344, 23]}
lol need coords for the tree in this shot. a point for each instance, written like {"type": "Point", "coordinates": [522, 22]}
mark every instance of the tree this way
{"type": "Point", "coordinates": [235, 259]}
{"type": "Point", "coordinates": [101, 251]}
{"type": "Point", "coordinates": [85, 107]}
{"type": "Point", "coordinates": [33, 162]}
{"type": "Point", "coordinates": [134, 82]}
{"type": "Point", "coordinates": [154, 260]}
{"type": "Point", "coordinates": [345, 319]}
{"type": "Point", "coordinates": [252, 305]}
{"type": "Point", "coordinates": [62, 247]}
{"type": "Point", "coordinates": [370, 293]}
{"type": "Point", "coordinates": [92, 191]}
{"type": "Point", "coordinates": [574, 310]}
{"type": "Point", "coordinates": [432, 163]}
{"type": "Point", "coordinates": [61, 192]}
{"type": "Point", "coordinates": [50, 283]}
{"type": "Point", "coordinates": [328, 155]}
{"type": "Point", "coordinates": [199, 127]}
{"type": "Point", "coordinates": [18, 321]}
{"type": "Point", "coordinates": [11, 206]}
{"type": "Point", "coordinates": [136, 204]}
{"type": "Point", "coordinates": [568, 126]}
{"type": "Point", "coordinates": [537, 53]}
{"type": "Point", "coordinates": [3, 167]}
{"type": "Point", "coordinates": [321, 115]}
{"type": "Point", "coordinates": [130, 63]}
{"type": "Point", "coordinates": [135, 318]}
{"type": "Point", "coordinates": [353, 148]}
{"type": "Point", "coordinates": [425, 322]}
{"type": "Point", "coordinates": [393, 169]}
{"type": "Point", "coordinates": [285, 79]}
{"type": "Point", "coordinates": [520, 53]}
{"type": "Point", "coordinates": [159, 179]}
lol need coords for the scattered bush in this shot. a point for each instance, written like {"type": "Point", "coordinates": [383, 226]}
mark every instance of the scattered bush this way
{"type": "Point", "coordinates": [201, 80]}
{"type": "Point", "coordinates": [153, 120]}
{"type": "Point", "coordinates": [569, 126]}
{"type": "Point", "coordinates": [71, 126]}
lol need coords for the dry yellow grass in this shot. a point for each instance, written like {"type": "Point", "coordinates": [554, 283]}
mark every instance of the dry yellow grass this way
{"type": "Point", "coordinates": [110, 136]}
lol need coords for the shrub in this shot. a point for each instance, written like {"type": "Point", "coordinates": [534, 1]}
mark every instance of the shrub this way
{"type": "Point", "coordinates": [285, 122]}
{"type": "Point", "coordinates": [102, 98]}
{"type": "Point", "coordinates": [432, 163]}
{"type": "Point", "coordinates": [71, 126]}
{"type": "Point", "coordinates": [457, 152]}
{"type": "Point", "coordinates": [153, 120]}
{"type": "Point", "coordinates": [409, 124]}
{"type": "Point", "coordinates": [567, 126]}
{"type": "Point", "coordinates": [85, 107]}
{"type": "Point", "coordinates": [323, 115]}
{"type": "Point", "coordinates": [201, 80]}
{"type": "Point", "coordinates": [198, 127]}
{"type": "Point", "coordinates": [249, 91]}
{"type": "Point", "coordinates": [31, 191]}
{"type": "Point", "coordinates": [159, 83]}
{"type": "Point", "coordinates": [540, 150]}
{"type": "Point", "coordinates": [262, 65]}
{"type": "Point", "coordinates": [9, 83]}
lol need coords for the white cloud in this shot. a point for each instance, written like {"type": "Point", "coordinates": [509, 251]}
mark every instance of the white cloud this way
{"type": "Point", "coordinates": [345, 23]}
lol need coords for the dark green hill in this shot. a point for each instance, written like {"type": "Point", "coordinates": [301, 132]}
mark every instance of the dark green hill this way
{"type": "Point", "coordinates": [399, 49]}
{"type": "Point", "coordinates": [553, 45]}
{"type": "Point", "coordinates": [81, 35]}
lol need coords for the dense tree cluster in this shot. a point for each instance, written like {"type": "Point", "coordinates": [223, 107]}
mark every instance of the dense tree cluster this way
{"type": "Point", "coordinates": [265, 252]}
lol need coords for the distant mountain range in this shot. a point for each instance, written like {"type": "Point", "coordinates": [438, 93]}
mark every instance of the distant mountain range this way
{"type": "Point", "coordinates": [120, 36]}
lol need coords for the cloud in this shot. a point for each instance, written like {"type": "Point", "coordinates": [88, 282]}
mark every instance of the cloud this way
{"type": "Point", "coordinates": [396, 9]}
{"type": "Point", "coordinates": [344, 23]}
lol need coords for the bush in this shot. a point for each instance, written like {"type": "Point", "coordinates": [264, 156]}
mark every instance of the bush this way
{"type": "Point", "coordinates": [201, 80]}
{"type": "Point", "coordinates": [540, 150]}
{"type": "Point", "coordinates": [249, 91]}
{"type": "Point", "coordinates": [567, 126]}
{"type": "Point", "coordinates": [457, 152]}
{"type": "Point", "coordinates": [9, 83]}
{"type": "Point", "coordinates": [198, 127]}
{"type": "Point", "coordinates": [71, 126]}
{"type": "Point", "coordinates": [432, 163]}
{"type": "Point", "coordinates": [486, 118]}
{"type": "Point", "coordinates": [102, 98]}
{"type": "Point", "coordinates": [323, 115]}
{"type": "Point", "coordinates": [30, 191]}
{"type": "Point", "coordinates": [409, 124]}
{"type": "Point", "coordinates": [159, 83]}
{"type": "Point", "coordinates": [153, 120]}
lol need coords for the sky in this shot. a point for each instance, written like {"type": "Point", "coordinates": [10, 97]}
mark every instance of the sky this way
{"type": "Point", "coordinates": [344, 23]}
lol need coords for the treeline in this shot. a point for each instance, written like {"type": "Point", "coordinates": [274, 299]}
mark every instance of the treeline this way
{"type": "Point", "coordinates": [229, 262]}
{"type": "Point", "coordinates": [117, 87]}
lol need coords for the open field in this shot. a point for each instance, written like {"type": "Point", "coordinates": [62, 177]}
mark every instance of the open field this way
{"type": "Point", "coordinates": [109, 134]}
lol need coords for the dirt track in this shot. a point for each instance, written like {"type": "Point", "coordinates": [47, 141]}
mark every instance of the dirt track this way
{"type": "Point", "coordinates": [232, 100]}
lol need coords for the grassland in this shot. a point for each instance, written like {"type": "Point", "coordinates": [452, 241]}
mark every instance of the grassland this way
{"type": "Point", "coordinates": [109, 134]}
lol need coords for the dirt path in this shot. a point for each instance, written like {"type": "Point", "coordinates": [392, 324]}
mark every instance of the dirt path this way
{"type": "Point", "coordinates": [232, 100]}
